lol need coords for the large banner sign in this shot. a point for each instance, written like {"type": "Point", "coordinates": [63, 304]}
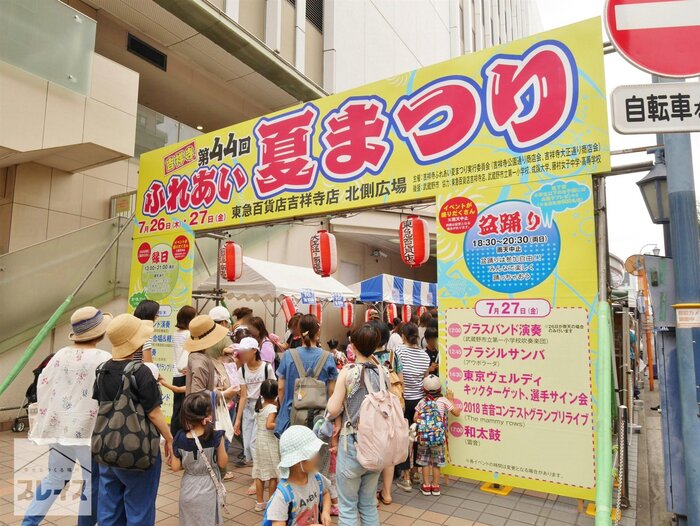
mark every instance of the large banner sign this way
{"type": "Point", "coordinates": [517, 290]}
{"type": "Point", "coordinates": [504, 141]}
{"type": "Point", "coordinates": [526, 111]}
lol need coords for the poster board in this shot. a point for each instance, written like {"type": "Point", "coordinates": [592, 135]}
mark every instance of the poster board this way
{"type": "Point", "coordinates": [504, 138]}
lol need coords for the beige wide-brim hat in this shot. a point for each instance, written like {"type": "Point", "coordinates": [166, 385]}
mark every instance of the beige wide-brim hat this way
{"type": "Point", "coordinates": [127, 334]}
{"type": "Point", "coordinates": [204, 333]}
{"type": "Point", "coordinates": [88, 323]}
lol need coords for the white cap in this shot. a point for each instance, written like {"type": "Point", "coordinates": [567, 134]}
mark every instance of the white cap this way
{"type": "Point", "coordinates": [247, 344]}
{"type": "Point", "coordinates": [220, 313]}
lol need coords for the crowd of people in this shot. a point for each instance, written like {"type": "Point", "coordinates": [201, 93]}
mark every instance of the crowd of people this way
{"type": "Point", "coordinates": [296, 410]}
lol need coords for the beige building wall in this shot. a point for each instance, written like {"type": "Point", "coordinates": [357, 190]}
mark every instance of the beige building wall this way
{"type": "Point", "coordinates": [48, 202]}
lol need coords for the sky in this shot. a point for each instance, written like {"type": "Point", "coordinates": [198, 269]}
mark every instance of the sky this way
{"type": "Point", "coordinates": [629, 226]}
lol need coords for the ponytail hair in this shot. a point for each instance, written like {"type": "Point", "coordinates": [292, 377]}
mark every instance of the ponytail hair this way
{"type": "Point", "coordinates": [268, 391]}
{"type": "Point", "coordinates": [309, 328]}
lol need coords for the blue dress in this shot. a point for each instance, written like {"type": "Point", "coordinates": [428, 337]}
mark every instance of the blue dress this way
{"type": "Point", "coordinates": [288, 371]}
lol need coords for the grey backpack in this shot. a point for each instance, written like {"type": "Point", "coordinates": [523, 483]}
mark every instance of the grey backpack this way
{"type": "Point", "coordinates": [124, 437]}
{"type": "Point", "coordinates": [310, 393]}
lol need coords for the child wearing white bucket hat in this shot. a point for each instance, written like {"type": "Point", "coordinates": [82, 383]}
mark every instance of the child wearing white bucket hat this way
{"type": "Point", "coordinates": [302, 497]}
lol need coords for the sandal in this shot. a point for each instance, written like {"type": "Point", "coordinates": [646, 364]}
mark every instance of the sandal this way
{"type": "Point", "coordinates": [251, 490]}
{"type": "Point", "coordinates": [381, 499]}
{"type": "Point", "coordinates": [229, 475]}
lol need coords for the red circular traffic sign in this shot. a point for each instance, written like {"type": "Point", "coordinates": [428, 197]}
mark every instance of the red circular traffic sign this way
{"type": "Point", "coordinates": [658, 36]}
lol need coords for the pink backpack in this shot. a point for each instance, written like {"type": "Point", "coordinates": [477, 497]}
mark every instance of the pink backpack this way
{"type": "Point", "coordinates": [382, 430]}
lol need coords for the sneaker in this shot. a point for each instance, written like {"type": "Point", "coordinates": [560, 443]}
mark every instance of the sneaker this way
{"type": "Point", "coordinates": [404, 484]}
{"type": "Point", "coordinates": [425, 489]}
{"type": "Point", "coordinates": [435, 490]}
{"type": "Point", "coordinates": [259, 506]}
{"type": "Point", "coordinates": [335, 512]}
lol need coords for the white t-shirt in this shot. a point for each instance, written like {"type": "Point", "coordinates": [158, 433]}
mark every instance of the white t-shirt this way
{"type": "Point", "coordinates": [394, 341]}
{"type": "Point", "coordinates": [415, 362]}
{"type": "Point", "coordinates": [179, 339]}
{"type": "Point", "coordinates": [67, 411]}
{"type": "Point", "coordinates": [307, 501]}
{"type": "Point", "coordinates": [252, 379]}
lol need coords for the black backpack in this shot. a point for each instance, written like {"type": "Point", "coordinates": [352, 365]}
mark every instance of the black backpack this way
{"type": "Point", "coordinates": [124, 437]}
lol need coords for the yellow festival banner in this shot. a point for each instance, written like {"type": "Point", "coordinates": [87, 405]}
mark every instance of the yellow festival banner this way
{"type": "Point", "coordinates": [504, 141]}
{"type": "Point", "coordinates": [161, 270]}
{"type": "Point", "coordinates": [530, 110]}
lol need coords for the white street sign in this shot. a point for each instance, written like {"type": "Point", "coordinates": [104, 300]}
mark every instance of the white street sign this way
{"type": "Point", "coordinates": [656, 108]}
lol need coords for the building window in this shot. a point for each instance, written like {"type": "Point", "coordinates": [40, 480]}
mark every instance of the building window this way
{"type": "Point", "coordinates": [314, 12]}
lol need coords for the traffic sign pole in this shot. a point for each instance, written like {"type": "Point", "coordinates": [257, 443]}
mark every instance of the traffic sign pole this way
{"type": "Point", "coordinates": [686, 267]}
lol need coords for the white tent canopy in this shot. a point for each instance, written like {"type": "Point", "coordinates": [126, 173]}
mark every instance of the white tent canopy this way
{"type": "Point", "coordinates": [268, 281]}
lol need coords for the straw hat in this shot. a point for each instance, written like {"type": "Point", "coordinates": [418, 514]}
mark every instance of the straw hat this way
{"type": "Point", "coordinates": [88, 323]}
{"type": "Point", "coordinates": [127, 334]}
{"type": "Point", "coordinates": [204, 333]}
{"type": "Point", "coordinates": [297, 444]}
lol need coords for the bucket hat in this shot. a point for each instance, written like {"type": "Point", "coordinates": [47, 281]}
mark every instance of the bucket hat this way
{"type": "Point", "coordinates": [220, 313]}
{"type": "Point", "coordinates": [204, 333]}
{"type": "Point", "coordinates": [88, 323]}
{"type": "Point", "coordinates": [127, 333]}
{"type": "Point", "coordinates": [297, 444]}
{"type": "Point", "coordinates": [432, 383]}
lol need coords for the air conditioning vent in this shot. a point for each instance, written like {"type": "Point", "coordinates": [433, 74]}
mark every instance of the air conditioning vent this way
{"type": "Point", "coordinates": [314, 12]}
{"type": "Point", "coordinates": [148, 53]}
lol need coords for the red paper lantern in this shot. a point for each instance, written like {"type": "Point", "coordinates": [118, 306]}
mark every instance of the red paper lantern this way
{"type": "Point", "coordinates": [414, 241]}
{"type": "Point", "coordinates": [392, 312]}
{"type": "Point", "coordinates": [317, 310]}
{"type": "Point", "coordinates": [324, 255]}
{"type": "Point", "coordinates": [230, 261]}
{"type": "Point", "coordinates": [347, 314]}
{"type": "Point", "coordinates": [406, 313]}
{"type": "Point", "coordinates": [288, 308]}
{"type": "Point", "coordinates": [421, 310]}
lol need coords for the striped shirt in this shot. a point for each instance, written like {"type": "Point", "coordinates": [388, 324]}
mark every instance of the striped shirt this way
{"type": "Point", "coordinates": [415, 362]}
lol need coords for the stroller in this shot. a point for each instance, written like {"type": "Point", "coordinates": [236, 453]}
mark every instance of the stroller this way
{"type": "Point", "coordinates": [21, 422]}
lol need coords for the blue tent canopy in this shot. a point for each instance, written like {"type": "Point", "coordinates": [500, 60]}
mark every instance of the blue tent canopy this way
{"type": "Point", "coordinates": [393, 289]}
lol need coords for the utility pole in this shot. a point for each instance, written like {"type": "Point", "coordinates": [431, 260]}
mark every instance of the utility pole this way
{"type": "Point", "coordinates": [686, 266]}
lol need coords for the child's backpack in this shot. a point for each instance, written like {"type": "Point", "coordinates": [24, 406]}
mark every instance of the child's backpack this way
{"type": "Point", "coordinates": [292, 506]}
{"type": "Point", "coordinates": [310, 394]}
{"type": "Point", "coordinates": [431, 424]}
{"type": "Point", "coordinates": [382, 430]}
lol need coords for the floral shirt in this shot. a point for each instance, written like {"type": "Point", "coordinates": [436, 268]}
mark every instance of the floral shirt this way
{"type": "Point", "coordinates": [66, 411]}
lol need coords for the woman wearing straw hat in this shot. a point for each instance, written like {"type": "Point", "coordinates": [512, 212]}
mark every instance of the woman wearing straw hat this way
{"type": "Point", "coordinates": [128, 496]}
{"type": "Point", "coordinates": [66, 413]}
{"type": "Point", "coordinates": [205, 334]}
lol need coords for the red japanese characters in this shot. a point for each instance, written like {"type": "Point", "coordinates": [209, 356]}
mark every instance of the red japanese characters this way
{"type": "Point", "coordinates": [528, 99]}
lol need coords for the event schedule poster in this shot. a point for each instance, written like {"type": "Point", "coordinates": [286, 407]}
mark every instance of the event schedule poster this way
{"type": "Point", "coordinates": [162, 271]}
{"type": "Point", "coordinates": [517, 287]}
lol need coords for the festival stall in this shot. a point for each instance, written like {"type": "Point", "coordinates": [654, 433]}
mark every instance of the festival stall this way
{"type": "Point", "coordinates": [385, 291]}
{"type": "Point", "coordinates": [282, 288]}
